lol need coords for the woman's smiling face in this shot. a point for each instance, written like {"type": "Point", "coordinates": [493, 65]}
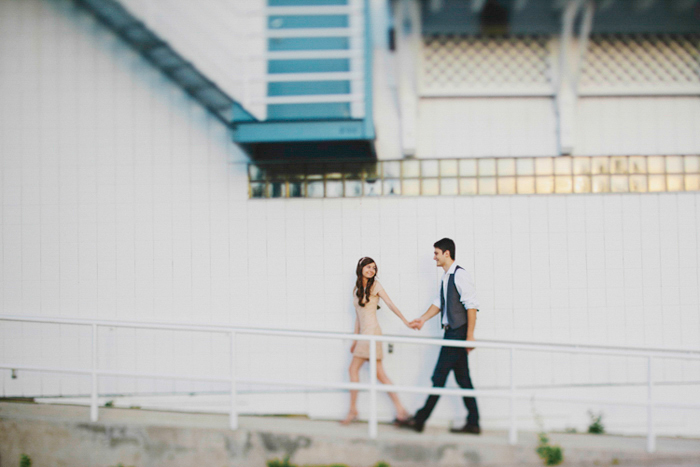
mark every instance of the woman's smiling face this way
{"type": "Point", "coordinates": [369, 271]}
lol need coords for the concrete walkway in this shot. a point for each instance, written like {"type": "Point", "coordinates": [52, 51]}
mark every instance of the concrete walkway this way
{"type": "Point", "coordinates": [60, 435]}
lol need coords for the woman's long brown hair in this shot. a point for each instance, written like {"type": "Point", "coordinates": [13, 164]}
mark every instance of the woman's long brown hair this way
{"type": "Point", "coordinates": [361, 291]}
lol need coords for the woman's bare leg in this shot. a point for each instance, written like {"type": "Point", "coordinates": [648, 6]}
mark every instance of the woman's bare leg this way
{"type": "Point", "coordinates": [354, 371]}
{"type": "Point", "coordinates": [401, 412]}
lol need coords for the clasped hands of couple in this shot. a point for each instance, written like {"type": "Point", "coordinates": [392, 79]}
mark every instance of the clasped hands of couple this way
{"type": "Point", "coordinates": [417, 325]}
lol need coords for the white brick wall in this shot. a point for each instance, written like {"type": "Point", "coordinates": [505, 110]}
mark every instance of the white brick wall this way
{"type": "Point", "coordinates": [122, 199]}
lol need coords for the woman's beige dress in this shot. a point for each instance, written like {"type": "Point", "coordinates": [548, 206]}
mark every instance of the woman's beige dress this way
{"type": "Point", "coordinates": [368, 322]}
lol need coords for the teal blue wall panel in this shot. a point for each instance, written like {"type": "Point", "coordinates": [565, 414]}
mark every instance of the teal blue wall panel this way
{"type": "Point", "coordinates": [327, 110]}
{"type": "Point", "coordinates": [305, 2]}
{"type": "Point", "coordinates": [301, 88]}
{"type": "Point", "coordinates": [308, 43]}
{"type": "Point", "coordinates": [322, 65]}
{"type": "Point", "coordinates": [307, 21]}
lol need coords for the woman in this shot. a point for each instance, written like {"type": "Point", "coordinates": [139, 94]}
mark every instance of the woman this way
{"type": "Point", "coordinates": [367, 293]}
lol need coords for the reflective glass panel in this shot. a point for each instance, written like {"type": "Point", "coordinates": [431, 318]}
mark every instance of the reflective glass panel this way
{"type": "Point", "coordinates": [448, 168]}
{"type": "Point", "coordinates": [353, 188]}
{"type": "Point", "coordinates": [468, 186]}
{"type": "Point", "coordinates": [392, 169]}
{"type": "Point", "coordinates": [675, 182]}
{"type": "Point", "coordinates": [674, 164]}
{"type": "Point", "coordinates": [563, 184]}
{"type": "Point", "coordinates": [430, 187]}
{"type": "Point", "coordinates": [429, 169]}
{"type": "Point", "coordinates": [563, 165]}
{"type": "Point", "coordinates": [692, 182]}
{"type": "Point", "coordinates": [600, 184]}
{"type": "Point", "coordinates": [392, 187]}
{"type": "Point", "coordinates": [638, 165]}
{"type": "Point", "coordinates": [373, 188]}
{"type": "Point", "coordinates": [277, 189]}
{"type": "Point", "coordinates": [526, 185]}
{"type": "Point", "coordinates": [582, 184]}
{"type": "Point", "coordinates": [257, 190]}
{"type": "Point", "coordinates": [544, 185]}
{"type": "Point", "coordinates": [487, 168]}
{"type": "Point", "coordinates": [411, 187]}
{"type": "Point", "coordinates": [314, 189]}
{"type": "Point", "coordinates": [656, 165]}
{"type": "Point", "coordinates": [506, 185]}
{"type": "Point", "coordinates": [506, 167]}
{"type": "Point", "coordinates": [582, 165]}
{"type": "Point", "coordinates": [657, 183]}
{"type": "Point", "coordinates": [618, 165]}
{"type": "Point", "coordinates": [411, 169]}
{"type": "Point", "coordinates": [619, 184]}
{"type": "Point", "coordinates": [544, 166]}
{"type": "Point", "coordinates": [449, 186]}
{"type": "Point", "coordinates": [296, 189]}
{"type": "Point", "coordinates": [487, 186]}
{"type": "Point", "coordinates": [525, 166]}
{"type": "Point", "coordinates": [467, 167]}
{"type": "Point", "coordinates": [638, 183]}
{"type": "Point", "coordinates": [600, 165]}
{"type": "Point", "coordinates": [691, 164]}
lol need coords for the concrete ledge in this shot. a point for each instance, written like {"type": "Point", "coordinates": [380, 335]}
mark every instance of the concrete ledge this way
{"type": "Point", "coordinates": [54, 435]}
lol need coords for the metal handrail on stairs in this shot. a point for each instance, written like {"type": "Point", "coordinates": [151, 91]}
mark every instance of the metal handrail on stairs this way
{"type": "Point", "coordinates": [512, 394]}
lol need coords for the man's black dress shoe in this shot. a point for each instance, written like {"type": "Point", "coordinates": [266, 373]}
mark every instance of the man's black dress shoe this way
{"type": "Point", "coordinates": [469, 429]}
{"type": "Point", "coordinates": [410, 424]}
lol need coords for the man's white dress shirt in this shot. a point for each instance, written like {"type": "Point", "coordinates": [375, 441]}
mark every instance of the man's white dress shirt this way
{"type": "Point", "coordinates": [465, 287]}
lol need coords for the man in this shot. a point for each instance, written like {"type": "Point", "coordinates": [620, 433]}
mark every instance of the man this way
{"type": "Point", "coordinates": [456, 303]}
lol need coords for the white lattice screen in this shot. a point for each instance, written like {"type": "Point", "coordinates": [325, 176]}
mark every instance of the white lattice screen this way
{"type": "Point", "coordinates": [467, 63]}
{"type": "Point", "coordinates": [521, 65]}
{"type": "Point", "coordinates": [642, 59]}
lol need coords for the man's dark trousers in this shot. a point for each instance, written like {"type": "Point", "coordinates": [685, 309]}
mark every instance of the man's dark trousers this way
{"type": "Point", "coordinates": [452, 358]}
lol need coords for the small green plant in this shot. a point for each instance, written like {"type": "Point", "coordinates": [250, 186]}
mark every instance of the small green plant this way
{"type": "Point", "coordinates": [25, 461]}
{"type": "Point", "coordinates": [109, 404]}
{"type": "Point", "coordinates": [280, 463]}
{"type": "Point", "coordinates": [382, 464]}
{"type": "Point", "coordinates": [596, 427]}
{"type": "Point", "coordinates": [551, 455]}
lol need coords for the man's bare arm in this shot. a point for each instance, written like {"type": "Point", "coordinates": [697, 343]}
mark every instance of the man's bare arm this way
{"type": "Point", "coordinates": [471, 324]}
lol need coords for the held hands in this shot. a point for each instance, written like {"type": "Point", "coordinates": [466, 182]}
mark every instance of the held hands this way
{"type": "Point", "coordinates": [416, 324]}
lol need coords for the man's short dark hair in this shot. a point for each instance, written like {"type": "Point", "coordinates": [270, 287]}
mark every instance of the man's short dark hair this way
{"type": "Point", "coordinates": [446, 244]}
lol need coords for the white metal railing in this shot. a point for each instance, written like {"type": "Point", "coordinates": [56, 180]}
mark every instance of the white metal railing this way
{"type": "Point", "coordinates": [512, 394]}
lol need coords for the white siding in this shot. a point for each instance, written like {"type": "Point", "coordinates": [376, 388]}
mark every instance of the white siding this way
{"type": "Point", "coordinates": [224, 39]}
{"type": "Point", "coordinates": [483, 127]}
{"type": "Point", "coordinates": [638, 125]}
{"type": "Point", "coordinates": [122, 199]}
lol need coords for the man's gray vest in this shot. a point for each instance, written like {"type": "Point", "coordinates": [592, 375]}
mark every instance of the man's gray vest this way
{"type": "Point", "coordinates": [456, 313]}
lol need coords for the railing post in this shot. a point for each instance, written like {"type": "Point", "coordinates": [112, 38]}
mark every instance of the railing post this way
{"type": "Point", "coordinates": [233, 416]}
{"type": "Point", "coordinates": [372, 388]}
{"type": "Point", "coordinates": [93, 390]}
{"type": "Point", "coordinates": [651, 437]}
{"type": "Point", "coordinates": [513, 431]}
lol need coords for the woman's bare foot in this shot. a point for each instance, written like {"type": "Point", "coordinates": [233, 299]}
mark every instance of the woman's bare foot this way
{"type": "Point", "coordinates": [402, 414]}
{"type": "Point", "coordinates": [352, 416]}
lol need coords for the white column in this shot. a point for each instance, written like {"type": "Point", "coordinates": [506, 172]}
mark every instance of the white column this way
{"type": "Point", "coordinates": [571, 57]}
{"type": "Point", "coordinates": [408, 49]}
{"type": "Point", "coordinates": [233, 416]}
{"type": "Point", "coordinates": [513, 430]}
{"type": "Point", "coordinates": [93, 392]}
{"type": "Point", "coordinates": [373, 389]}
{"type": "Point", "coordinates": [651, 436]}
